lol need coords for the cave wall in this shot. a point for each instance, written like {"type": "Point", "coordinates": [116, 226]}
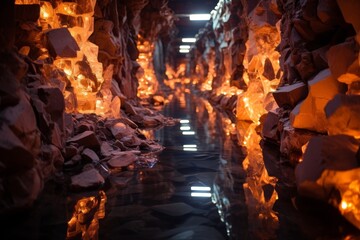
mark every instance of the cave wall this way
{"type": "Point", "coordinates": [296, 67]}
{"type": "Point", "coordinates": [39, 112]}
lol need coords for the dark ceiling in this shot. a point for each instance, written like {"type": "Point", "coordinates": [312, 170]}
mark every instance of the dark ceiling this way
{"type": "Point", "coordinates": [186, 27]}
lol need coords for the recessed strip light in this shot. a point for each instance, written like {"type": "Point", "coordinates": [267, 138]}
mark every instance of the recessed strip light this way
{"type": "Point", "coordinates": [188, 133]}
{"type": "Point", "coordinates": [199, 17]}
{"type": "Point", "coordinates": [184, 46]}
{"type": "Point", "coordinates": [185, 128]}
{"type": "Point", "coordinates": [200, 194]}
{"type": "Point", "coordinates": [188, 40]}
{"type": "Point", "coordinates": [184, 50]}
{"type": "Point", "coordinates": [184, 121]}
{"type": "Point", "coordinates": [200, 188]}
{"type": "Point", "coordinates": [190, 149]}
{"type": "Point", "coordinates": [189, 145]}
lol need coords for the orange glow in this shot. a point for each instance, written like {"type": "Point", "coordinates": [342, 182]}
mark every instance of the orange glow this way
{"type": "Point", "coordinates": [86, 215]}
{"type": "Point", "coordinates": [148, 84]}
{"type": "Point", "coordinates": [91, 91]}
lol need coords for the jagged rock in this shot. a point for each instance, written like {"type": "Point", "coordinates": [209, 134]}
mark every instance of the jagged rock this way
{"type": "Point", "coordinates": [131, 141]}
{"type": "Point", "coordinates": [70, 151]}
{"type": "Point", "coordinates": [21, 120]}
{"type": "Point", "coordinates": [328, 12]}
{"type": "Point", "coordinates": [269, 72]}
{"type": "Point", "coordinates": [90, 156]}
{"type": "Point", "coordinates": [322, 155]}
{"type": "Point", "coordinates": [88, 179]}
{"type": "Point", "coordinates": [349, 10]}
{"type": "Point", "coordinates": [319, 57]}
{"type": "Point", "coordinates": [14, 155]}
{"type": "Point", "coordinates": [120, 130]}
{"type": "Point", "coordinates": [310, 114]}
{"type": "Point", "coordinates": [343, 114]}
{"type": "Point", "coordinates": [61, 43]}
{"type": "Point", "coordinates": [87, 139]}
{"type": "Point", "coordinates": [51, 160]}
{"type": "Point", "coordinates": [24, 189]}
{"type": "Point", "coordinates": [9, 88]}
{"type": "Point", "coordinates": [306, 67]}
{"type": "Point", "coordinates": [75, 160]}
{"type": "Point", "coordinates": [270, 127]}
{"type": "Point", "coordinates": [106, 149]}
{"type": "Point", "coordinates": [104, 38]}
{"type": "Point", "coordinates": [151, 121]}
{"type": "Point", "coordinates": [122, 159]}
{"type": "Point", "coordinates": [290, 95]}
{"type": "Point", "coordinates": [86, 125]}
{"type": "Point", "coordinates": [292, 140]}
{"type": "Point", "coordinates": [69, 124]}
{"type": "Point", "coordinates": [343, 61]}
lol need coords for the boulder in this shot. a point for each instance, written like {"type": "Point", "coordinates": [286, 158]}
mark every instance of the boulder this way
{"type": "Point", "coordinates": [343, 61]}
{"type": "Point", "coordinates": [14, 155]}
{"type": "Point", "coordinates": [21, 120]}
{"type": "Point", "coordinates": [310, 114]}
{"type": "Point", "coordinates": [106, 149]}
{"type": "Point", "coordinates": [122, 159]}
{"type": "Point", "coordinates": [292, 140]}
{"type": "Point", "coordinates": [61, 43]}
{"type": "Point", "coordinates": [87, 139]}
{"type": "Point", "coordinates": [350, 12]}
{"type": "Point", "coordinates": [120, 130]}
{"type": "Point", "coordinates": [270, 127]}
{"type": "Point", "coordinates": [88, 179]}
{"type": "Point", "coordinates": [290, 95]}
{"type": "Point", "coordinates": [90, 156]}
{"type": "Point", "coordinates": [323, 154]}
{"type": "Point", "coordinates": [51, 160]}
{"type": "Point", "coordinates": [343, 114]}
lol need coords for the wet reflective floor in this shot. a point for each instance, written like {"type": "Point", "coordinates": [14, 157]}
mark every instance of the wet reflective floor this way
{"type": "Point", "coordinates": [200, 188]}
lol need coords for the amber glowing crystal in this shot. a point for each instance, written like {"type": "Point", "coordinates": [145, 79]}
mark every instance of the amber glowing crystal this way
{"type": "Point", "coordinates": [148, 84]}
{"type": "Point", "coordinates": [89, 82]}
{"type": "Point", "coordinates": [86, 215]}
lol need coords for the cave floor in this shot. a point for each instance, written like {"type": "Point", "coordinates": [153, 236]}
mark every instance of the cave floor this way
{"type": "Point", "coordinates": [158, 202]}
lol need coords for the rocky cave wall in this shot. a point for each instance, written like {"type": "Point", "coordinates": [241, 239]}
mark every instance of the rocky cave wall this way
{"type": "Point", "coordinates": [292, 67]}
{"type": "Point", "coordinates": [45, 126]}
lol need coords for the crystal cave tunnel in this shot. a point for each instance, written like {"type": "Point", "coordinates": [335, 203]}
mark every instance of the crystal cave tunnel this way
{"type": "Point", "coordinates": [180, 119]}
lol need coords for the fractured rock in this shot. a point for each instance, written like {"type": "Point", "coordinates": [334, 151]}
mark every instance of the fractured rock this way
{"type": "Point", "coordinates": [310, 114]}
{"type": "Point", "coordinates": [86, 139]}
{"type": "Point", "coordinates": [14, 155]}
{"type": "Point", "coordinates": [292, 140]}
{"type": "Point", "coordinates": [51, 160]}
{"type": "Point", "coordinates": [343, 62]}
{"type": "Point", "coordinates": [106, 149]}
{"type": "Point", "coordinates": [122, 159]}
{"type": "Point", "coordinates": [90, 156]}
{"type": "Point", "coordinates": [21, 120]}
{"type": "Point", "coordinates": [61, 43]}
{"type": "Point", "coordinates": [290, 95]}
{"type": "Point", "coordinates": [88, 179]}
{"type": "Point", "coordinates": [350, 12]}
{"type": "Point", "coordinates": [321, 155]}
{"type": "Point", "coordinates": [120, 130]}
{"type": "Point", "coordinates": [270, 127]}
{"type": "Point", "coordinates": [343, 114]}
